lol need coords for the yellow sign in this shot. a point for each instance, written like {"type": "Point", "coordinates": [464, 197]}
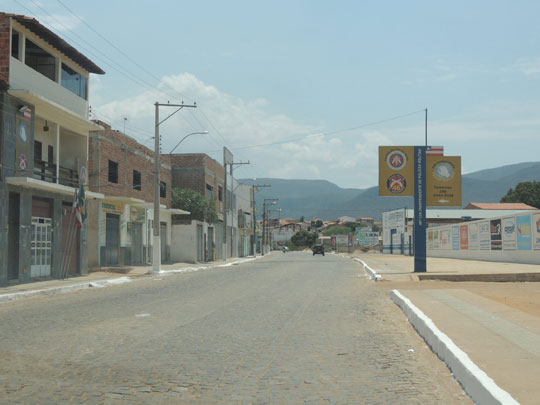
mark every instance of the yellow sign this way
{"type": "Point", "coordinates": [396, 171]}
{"type": "Point", "coordinates": [443, 181]}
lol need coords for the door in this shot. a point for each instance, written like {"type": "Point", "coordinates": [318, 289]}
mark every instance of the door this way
{"type": "Point", "coordinates": [13, 236]}
{"type": "Point", "coordinates": [200, 244]}
{"type": "Point", "coordinates": [136, 243]}
{"type": "Point", "coordinates": [41, 247]}
{"type": "Point", "coordinates": [210, 244]}
{"type": "Point", "coordinates": [163, 241]}
{"type": "Point", "coordinates": [112, 239]}
{"type": "Point", "coordinates": [70, 240]}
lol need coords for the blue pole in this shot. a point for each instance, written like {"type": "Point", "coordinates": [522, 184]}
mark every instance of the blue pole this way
{"type": "Point", "coordinates": [420, 220]}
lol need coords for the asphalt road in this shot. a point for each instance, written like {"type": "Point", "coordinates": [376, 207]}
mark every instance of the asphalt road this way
{"type": "Point", "coordinates": [288, 328]}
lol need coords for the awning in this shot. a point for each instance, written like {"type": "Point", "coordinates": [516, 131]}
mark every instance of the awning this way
{"type": "Point", "coordinates": [54, 112]}
{"type": "Point", "coordinates": [36, 184]}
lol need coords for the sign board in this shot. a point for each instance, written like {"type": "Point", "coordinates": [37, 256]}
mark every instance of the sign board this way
{"type": "Point", "coordinates": [396, 171]}
{"type": "Point", "coordinates": [443, 181]}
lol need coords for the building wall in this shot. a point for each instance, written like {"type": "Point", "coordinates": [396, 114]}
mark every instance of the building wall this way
{"type": "Point", "coordinates": [130, 155]}
{"type": "Point", "coordinates": [5, 49]}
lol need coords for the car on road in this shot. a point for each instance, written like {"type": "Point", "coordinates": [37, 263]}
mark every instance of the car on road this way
{"type": "Point", "coordinates": [317, 249]}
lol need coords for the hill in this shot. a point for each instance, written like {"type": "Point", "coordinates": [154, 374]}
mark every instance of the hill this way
{"type": "Point", "coordinates": [323, 199]}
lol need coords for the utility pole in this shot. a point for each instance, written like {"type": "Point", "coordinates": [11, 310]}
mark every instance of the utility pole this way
{"type": "Point", "coordinates": [228, 161]}
{"type": "Point", "coordinates": [156, 253]}
{"type": "Point", "coordinates": [253, 188]}
{"type": "Point", "coordinates": [267, 201]}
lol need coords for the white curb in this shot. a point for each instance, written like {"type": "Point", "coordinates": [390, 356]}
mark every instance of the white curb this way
{"type": "Point", "coordinates": [371, 273]}
{"type": "Point", "coordinates": [480, 387]}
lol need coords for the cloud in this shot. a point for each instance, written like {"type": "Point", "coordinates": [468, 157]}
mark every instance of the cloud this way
{"type": "Point", "coordinates": [528, 67]}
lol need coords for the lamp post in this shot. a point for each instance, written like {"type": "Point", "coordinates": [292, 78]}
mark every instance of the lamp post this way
{"type": "Point", "coordinates": [156, 247]}
{"type": "Point", "coordinates": [267, 201]}
{"type": "Point", "coordinates": [188, 135]}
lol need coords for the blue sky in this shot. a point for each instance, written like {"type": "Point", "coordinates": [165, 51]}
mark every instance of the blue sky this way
{"type": "Point", "coordinates": [266, 73]}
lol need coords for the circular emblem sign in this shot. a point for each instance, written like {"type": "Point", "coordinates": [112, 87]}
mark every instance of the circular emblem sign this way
{"type": "Point", "coordinates": [23, 133]}
{"type": "Point", "coordinates": [396, 184]}
{"type": "Point", "coordinates": [396, 159]}
{"type": "Point", "coordinates": [444, 171]}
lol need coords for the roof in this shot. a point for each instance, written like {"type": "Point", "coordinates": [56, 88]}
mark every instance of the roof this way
{"type": "Point", "coordinates": [50, 37]}
{"type": "Point", "coordinates": [498, 206]}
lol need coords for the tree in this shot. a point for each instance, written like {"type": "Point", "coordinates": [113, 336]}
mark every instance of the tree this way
{"type": "Point", "coordinates": [304, 238]}
{"type": "Point", "coordinates": [200, 207]}
{"type": "Point", "coordinates": [302, 218]}
{"type": "Point", "coordinates": [527, 192]}
{"type": "Point", "coordinates": [337, 230]}
{"type": "Point", "coordinates": [316, 224]}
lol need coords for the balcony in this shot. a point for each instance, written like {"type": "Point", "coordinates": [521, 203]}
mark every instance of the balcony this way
{"type": "Point", "coordinates": [46, 171]}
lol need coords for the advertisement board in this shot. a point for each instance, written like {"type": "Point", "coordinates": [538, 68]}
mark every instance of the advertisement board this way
{"type": "Point", "coordinates": [508, 230]}
{"type": "Point", "coordinates": [473, 236]}
{"type": "Point", "coordinates": [464, 237]}
{"type": "Point", "coordinates": [536, 231]}
{"type": "Point", "coordinates": [455, 237]}
{"type": "Point", "coordinates": [495, 233]}
{"type": "Point", "coordinates": [484, 235]}
{"type": "Point", "coordinates": [524, 234]}
{"type": "Point", "coordinates": [445, 239]}
{"type": "Point", "coordinates": [396, 171]}
{"type": "Point", "coordinates": [443, 181]}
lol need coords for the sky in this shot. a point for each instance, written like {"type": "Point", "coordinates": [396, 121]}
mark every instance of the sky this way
{"type": "Point", "coordinates": [310, 89]}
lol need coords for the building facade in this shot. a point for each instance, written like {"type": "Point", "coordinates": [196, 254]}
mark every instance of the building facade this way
{"type": "Point", "coordinates": [43, 151]}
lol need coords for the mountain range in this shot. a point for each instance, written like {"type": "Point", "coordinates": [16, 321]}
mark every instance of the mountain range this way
{"type": "Point", "coordinates": [325, 200]}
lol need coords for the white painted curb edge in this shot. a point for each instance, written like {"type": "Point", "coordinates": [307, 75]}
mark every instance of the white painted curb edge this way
{"type": "Point", "coordinates": [481, 388]}
{"type": "Point", "coordinates": [371, 273]}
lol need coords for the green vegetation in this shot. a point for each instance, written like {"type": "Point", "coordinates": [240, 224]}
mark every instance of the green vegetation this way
{"type": "Point", "coordinates": [200, 207]}
{"type": "Point", "coordinates": [303, 239]}
{"type": "Point", "coordinates": [337, 230]}
{"type": "Point", "coordinates": [527, 192]}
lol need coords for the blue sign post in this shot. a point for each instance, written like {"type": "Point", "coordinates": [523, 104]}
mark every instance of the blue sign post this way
{"type": "Point", "coordinates": [420, 220]}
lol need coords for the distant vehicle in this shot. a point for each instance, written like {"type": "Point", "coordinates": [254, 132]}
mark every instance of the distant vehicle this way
{"type": "Point", "coordinates": [284, 249]}
{"type": "Point", "coordinates": [318, 249]}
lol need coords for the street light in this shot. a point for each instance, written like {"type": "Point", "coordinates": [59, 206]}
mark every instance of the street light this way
{"type": "Point", "coordinates": [181, 140]}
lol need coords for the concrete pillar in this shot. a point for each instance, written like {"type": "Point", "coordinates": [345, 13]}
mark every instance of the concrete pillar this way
{"type": "Point", "coordinates": [4, 208]}
{"type": "Point", "coordinates": [57, 256]}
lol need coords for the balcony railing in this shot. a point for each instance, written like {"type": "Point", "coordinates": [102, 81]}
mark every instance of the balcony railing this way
{"type": "Point", "coordinates": [46, 171]}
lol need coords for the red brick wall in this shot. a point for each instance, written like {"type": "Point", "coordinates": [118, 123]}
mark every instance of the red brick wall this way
{"type": "Point", "coordinates": [5, 53]}
{"type": "Point", "coordinates": [195, 171]}
{"type": "Point", "coordinates": [130, 155]}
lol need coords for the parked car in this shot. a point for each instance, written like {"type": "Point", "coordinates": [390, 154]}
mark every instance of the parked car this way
{"type": "Point", "coordinates": [318, 249]}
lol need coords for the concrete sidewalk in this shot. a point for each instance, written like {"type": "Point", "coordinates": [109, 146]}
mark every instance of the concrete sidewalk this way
{"type": "Point", "coordinates": [106, 277]}
{"type": "Point", "coordinates": [487, 331]}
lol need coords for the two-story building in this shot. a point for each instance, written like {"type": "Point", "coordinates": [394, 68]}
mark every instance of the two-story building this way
{"type": "Point", "coordinates": [43, 151]}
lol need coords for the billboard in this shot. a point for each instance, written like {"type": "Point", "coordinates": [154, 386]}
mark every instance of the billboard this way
{"type": "Point", "coordinates": [443, 181]}
{"type": "Point", "coordinates": [524, 234]}
{"type": "Point", "coordinates": [396, 171]}
{"type": "Point", "coordinates": [496, 235]}
{"type": "Point", "coordinates": [464, 237]}
{"type": "Point", "coordinates": [508, 228]}
{"type": "Point", "coordinates": [484, 235]}
{"type": "Point", "coordinates": [536, 231]}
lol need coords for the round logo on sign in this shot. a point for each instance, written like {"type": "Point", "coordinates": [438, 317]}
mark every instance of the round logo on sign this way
{"type": "Point", "coordinates": [444, 171]}
{"type": "Point", "coordinates": [396, 184]}
{"type": "Point", "coordinates": [396, 159]}
{"type": "Point", "coordinates": [23, 133]}
{"type": "Point", "coordinates": [23, 163]}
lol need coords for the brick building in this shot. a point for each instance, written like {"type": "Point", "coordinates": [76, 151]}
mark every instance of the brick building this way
{"type": "Point", "coordinates": [123, 171]}
{"type": "Point", "coordinates": [43, 151]}
{"type": "Point", "coordinates": [199, 172]}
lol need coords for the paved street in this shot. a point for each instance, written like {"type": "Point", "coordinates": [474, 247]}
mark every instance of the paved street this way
{"type": "Point", "coordinates": [288, 328]}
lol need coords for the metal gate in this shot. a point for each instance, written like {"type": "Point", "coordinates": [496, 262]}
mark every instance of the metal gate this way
{"type": "Point", "coordinates": [112, 239]}
{"type": "Point", "coordinates": [210, 244]}
{"type": "Point", "coordinates": [200, 243]}
{"type": "Point", "coordinates": [41, 247]}
{"type": "Point", "coordinates": [136, 243]}
{"type": "Point", "coordinates": [219, 241]}
{"type": "Point", "coordinates": [163, 241]}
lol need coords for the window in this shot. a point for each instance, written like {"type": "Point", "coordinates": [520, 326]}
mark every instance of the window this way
{"type": "Point", "coordinates": [15, 44]}
{"type": "Point", "coordinates": [162, 189]}
{"type": "Point", "coordinates": [209, 191]}
{"type": "Point", "coordinates": [137, 180]}
{"type": "Point", "coordinates": [40, 60]}
{"type": "Point", "coordinates": [113, 172]}
{"type": "Point", "coordinates": [220, 193]}
{"type": "Point", "coordinates": [74, 82]}
{"type": "Point", "coordinates": [50, 154]}
{"type": "Point", "coordinates": [38, 147]}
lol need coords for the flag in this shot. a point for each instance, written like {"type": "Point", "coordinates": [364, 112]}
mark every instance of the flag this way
{"type": "Point", "coordinates": [77, 211]}
{"type": "Point", "coordinates": [82, 203]}
{"type": "Point", "coordinates": [435, 151]}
